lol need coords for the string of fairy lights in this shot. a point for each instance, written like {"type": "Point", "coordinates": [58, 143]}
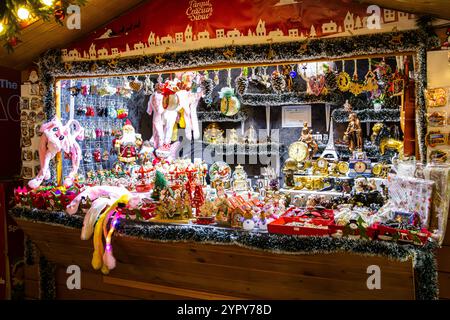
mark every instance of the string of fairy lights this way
{"type": "Point", "coordinates": [18, 14]}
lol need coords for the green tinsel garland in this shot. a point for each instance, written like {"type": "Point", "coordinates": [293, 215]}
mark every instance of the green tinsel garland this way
{"type": "Point", "coordinates": [47, 280]}
{"type": "Point", "coordinates": [368, 115]}
{"type": "Point", "coordinates": [424, 261]}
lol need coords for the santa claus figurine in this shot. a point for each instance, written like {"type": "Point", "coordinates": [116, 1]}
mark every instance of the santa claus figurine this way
{"type": "Point", "coordinates": [128, 144]}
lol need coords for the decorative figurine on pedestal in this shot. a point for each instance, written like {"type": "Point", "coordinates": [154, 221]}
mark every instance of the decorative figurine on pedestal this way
{"type": "Point", "coordinates": [307, 138]}
{"type": "Point", "coordinates": [353, 134]}
{"type": "Point", "coordinates": [128, 144]}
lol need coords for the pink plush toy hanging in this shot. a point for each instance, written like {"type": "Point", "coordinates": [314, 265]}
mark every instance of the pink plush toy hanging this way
{"type": "Point", "coordinates": [57, 138]}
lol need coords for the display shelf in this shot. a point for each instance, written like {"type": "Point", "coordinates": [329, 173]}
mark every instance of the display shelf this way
{"type": "Point", "coordinates": [217, 116]}
{"type": "Point", "coordinates": [291, 98]}
{"type": "Point", "coordinates": [315, 192]}
{"type": "Point", "coordinates": [367, 115]}
{"type": "Point", "coordinates": [246, 149]}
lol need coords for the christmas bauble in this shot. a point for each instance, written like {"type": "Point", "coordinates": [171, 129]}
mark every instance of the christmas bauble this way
{"type": "Point", "coordinates": [229, 106]}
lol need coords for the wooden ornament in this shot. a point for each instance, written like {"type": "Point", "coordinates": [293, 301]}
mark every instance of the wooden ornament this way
{"type": "Point", "coordinates": [303, 48]}
{"type": "Point", "coordinates": [397, 40]}
{"type": "Point", "coordinates": [113, 64]}
{"type": "Point", "coordinates": [68, 66]}
{"type": "Point", "coordinates": [229, 53]}
{"type": "Point", "coordinates": [93, 67]}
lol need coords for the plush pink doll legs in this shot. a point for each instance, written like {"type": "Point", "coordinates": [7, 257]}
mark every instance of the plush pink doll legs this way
{"type": "Point", "coordinates": [75, 152]}
{"type": "Point", "coordinates": [46, 153]}
{"type": "Point", "coordinates": [155, 107]}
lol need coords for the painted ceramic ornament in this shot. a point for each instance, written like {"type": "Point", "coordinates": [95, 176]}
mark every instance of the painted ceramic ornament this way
{"type": "Point", "coordinates": [435, 138]}
{"type": "Point", "coordinates": [316, 84]}
{"type": "Point", "coordinates": [436, 97]}
{"type": "Point", "coordinates": [436, 119]}
{"type": "Point", "coordinates": [438, 156]}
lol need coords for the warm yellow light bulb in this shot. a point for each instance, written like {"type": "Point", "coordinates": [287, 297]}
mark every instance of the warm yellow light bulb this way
{"type": "Point", "coordinates": [47, 3]}
{"type": "Point", "coordinates": [23, 13]}
{"type": "Point", "coordinates": [2, 28]}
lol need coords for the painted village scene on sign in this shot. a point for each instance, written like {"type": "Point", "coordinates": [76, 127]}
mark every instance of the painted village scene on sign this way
{"type": "Point", "coordinates": [206, 25]}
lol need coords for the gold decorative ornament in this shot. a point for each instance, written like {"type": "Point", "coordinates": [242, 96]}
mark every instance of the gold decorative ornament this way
{"type": "Point", "coordinates": [343, 81]}
{"type": "Point", "coordinates": [377, 169]}
{"type": "Point", "coordinates": [159, 59]}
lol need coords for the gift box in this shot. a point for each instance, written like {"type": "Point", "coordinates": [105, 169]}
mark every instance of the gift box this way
{"type": "Point", "coordinates": [300, 226]}
{"type": "Point", "coordinates": [409, 194]}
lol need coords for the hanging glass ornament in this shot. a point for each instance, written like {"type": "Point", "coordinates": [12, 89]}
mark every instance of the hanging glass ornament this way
{"type": "Point", "coordinates": [229, 103]}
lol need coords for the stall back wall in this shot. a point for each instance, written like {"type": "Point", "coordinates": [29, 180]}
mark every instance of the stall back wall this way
{"type": "Point", "coordinates": [10, 163]}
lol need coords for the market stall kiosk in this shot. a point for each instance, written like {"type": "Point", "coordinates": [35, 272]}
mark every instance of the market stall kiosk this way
{"type": "Point", "coordinates": [264, 230]}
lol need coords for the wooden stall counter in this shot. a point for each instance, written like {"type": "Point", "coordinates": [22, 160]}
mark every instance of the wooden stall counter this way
{"type": "Point", "coordinates": [195, 262]}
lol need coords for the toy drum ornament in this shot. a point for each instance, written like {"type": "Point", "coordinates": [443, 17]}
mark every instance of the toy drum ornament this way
{"type": "Point", "coordinates": [229, 103]}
